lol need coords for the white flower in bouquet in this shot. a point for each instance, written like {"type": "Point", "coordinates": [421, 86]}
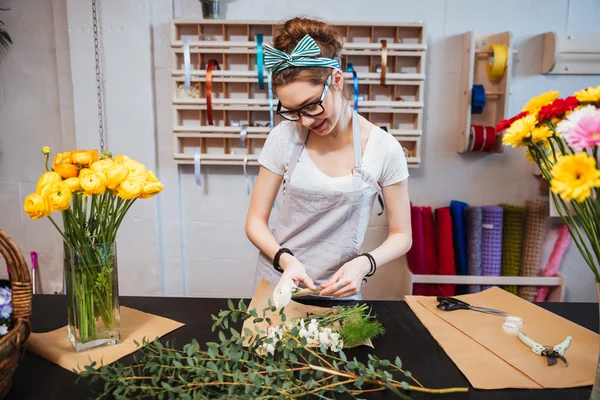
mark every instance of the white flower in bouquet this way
{"type": "Point", "coordinates": [282, 295]}
{"type": "Point", "coordinates": [564, 126]}
{"type": "Point", "coordinates": [3, 330]}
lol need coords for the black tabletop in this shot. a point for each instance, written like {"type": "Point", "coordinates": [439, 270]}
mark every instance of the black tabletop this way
{"type": "Point", "coordinates": [406, 337]}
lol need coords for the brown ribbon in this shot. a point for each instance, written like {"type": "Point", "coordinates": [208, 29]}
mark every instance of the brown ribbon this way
{"type": "Point", "coordinates": [383, 61]}
{"type": "Point", "coordinates": [212, 64]}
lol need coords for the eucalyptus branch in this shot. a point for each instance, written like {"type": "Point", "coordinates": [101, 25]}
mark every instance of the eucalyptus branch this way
{"type": "Point", "coordinates": [229, 368]}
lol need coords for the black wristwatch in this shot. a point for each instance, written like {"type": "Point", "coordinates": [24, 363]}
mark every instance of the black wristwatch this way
{"type": "Point", "coordinates": [278, 256]}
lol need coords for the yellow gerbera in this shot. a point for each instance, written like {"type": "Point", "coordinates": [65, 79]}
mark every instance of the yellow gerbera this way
{"type": "Point", "coordinates": [574, 176]}
{"type": "Point", "coordinates": [591, 94]}
{"type": "Point", "coordinates": [540, 134]}
{"type": "Point", "coordinates": [537, 103]}
{"type": "Point", "coordinates": [519, 133]}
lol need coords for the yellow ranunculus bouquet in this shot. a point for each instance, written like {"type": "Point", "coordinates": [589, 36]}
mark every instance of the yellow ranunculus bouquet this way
{"type": "Point", "coordinates": [562, 137]}
{"type": "Point", "coordinates": [93, 193]}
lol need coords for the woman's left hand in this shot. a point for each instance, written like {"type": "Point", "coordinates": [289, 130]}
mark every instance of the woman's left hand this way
{"type": "Point", "coordinates": [347, 281]}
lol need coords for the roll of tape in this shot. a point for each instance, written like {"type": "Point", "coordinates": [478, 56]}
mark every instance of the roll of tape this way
{"type": "Point", "coordinates": [478, 99]}
{"type": "Point", "coordinates": [478, 133]}
{"type": "Point", "coordinates": [514, 320]}
{"type": "Point", "coordinates": [510, 327]}
{"type": "Point", "coordinates": [490, 139]}
{"type": "Point", "coordinates": [497, 61]}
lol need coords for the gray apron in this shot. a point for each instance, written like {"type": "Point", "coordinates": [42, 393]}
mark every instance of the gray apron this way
{"type": "Point", "coordinates": [321, 226]}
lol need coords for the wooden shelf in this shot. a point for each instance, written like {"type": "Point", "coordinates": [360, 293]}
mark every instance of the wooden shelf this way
{"type": "Point", "coordinates": [237, 99]}
{"type": "Point", "coordinates": [476, 58]}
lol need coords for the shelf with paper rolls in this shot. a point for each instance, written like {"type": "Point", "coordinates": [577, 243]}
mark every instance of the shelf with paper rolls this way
{"type": "Point", "coordinates": [556, 283]}
{"type": "Point", "coordinates": [388, 60]}
{"type": "Point", "coordinates": [485, 90]}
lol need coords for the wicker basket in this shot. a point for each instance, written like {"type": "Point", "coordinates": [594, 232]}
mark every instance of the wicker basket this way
{"type": "Point", "coordinates": [12, 346]}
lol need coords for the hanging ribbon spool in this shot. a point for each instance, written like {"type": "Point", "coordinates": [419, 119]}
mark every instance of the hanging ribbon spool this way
{"type": "Point", "coordinates": [243, 135]}
{"type": "Point", "coordinates": [355, 77]}
{"type": "Point", "coordinates": [383, 61]}
{"type": "Point", "coordinates": [483, 138]}
{"type": "Point", "coordinates": [187, 67]}
{"type": "Point", "coordinates": [212, 64]}
{"type": "Point", "coordinates": [248, 184]}
{"type": "Point", "coordinates": [478, 99]}
{"type": "Point", "coordinates": [260, 61]}
{"type": "Point", "coordinates": [270, 89]}
{"type": "Point", "coordinates": [497, 62]}
{"type": "Point", "coordinates": [197, 170]}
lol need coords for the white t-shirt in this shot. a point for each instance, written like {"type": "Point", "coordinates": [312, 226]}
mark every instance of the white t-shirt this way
{"type": "Point", "coordinates": [383, 158]}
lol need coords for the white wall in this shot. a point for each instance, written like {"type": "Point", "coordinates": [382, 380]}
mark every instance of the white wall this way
{"type": "Point", "coordinates": [190, 240]}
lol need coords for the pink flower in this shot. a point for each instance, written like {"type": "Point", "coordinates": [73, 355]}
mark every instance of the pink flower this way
{"type": "Point", "coordinates": [586, 132]}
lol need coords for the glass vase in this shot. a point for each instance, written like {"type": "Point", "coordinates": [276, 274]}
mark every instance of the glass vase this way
{"type": "Point", "coordinates": [596, 388]}
{"type": "Point", "coordinates": [92, 289]}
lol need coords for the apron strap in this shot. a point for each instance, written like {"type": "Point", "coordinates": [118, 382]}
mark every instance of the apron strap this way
{"type": "Point", "coordinates": [296, 154]}
{"type": "Point", "coordinates": [358, 173]}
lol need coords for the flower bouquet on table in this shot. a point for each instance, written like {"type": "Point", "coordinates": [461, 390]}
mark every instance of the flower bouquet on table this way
{"type": "Point", "coordinates": [278, 363]}
{"type": "Point", "coordinates": [93, 193]}
{"type": "Point", "coordinates": [561, 136]}
{"type": "Point", "coordinates": [352, 325]}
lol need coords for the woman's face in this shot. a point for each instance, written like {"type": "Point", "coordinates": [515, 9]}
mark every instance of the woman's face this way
{"type": "Point", "coordinates": [302, 95]}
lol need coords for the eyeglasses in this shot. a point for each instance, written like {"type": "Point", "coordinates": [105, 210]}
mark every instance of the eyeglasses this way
{"type": "Point", "coordinates": [310, 110]}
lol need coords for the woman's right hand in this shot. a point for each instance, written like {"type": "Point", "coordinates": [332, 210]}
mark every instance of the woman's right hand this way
{"type": "Point", "coordinates": [294, 270]}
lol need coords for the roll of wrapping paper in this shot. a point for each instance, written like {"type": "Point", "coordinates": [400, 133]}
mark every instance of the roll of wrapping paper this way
{"type": "Point", "coordinates": [383, 61]}
{"type": "Point", "coordinates": [212, 64]}
{"type": "Point", "coordinates": [459, 234]}
{"type": "Point", "coordinates": [513, 225]}
{"type": "Point", "coordinates": [497, 61]}
{"type": "Point", "coordinates": [445, 250]}
{"type": "Point", "coordinates": [474, 221]}
{"type": "Point", "coordinates": [536, 217]}
{"type": "Point", "coordinates": [430, 245]}
{"type": "Point", "coordinates": [491, 243]}
{"type": "Point", "coordinates": [416, 255]}
{"type": "Point", "coordinates": [558, 251]}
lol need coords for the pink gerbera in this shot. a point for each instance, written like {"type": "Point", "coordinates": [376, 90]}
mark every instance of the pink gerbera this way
{"type": "Point", "coordinates": [586, 132]}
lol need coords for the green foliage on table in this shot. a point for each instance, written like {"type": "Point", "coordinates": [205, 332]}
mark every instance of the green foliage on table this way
{"type": "Point", "coordinates": [228, 369]}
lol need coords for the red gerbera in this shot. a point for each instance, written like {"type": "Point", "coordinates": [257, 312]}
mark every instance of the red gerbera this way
{"type": "Point", "coordinates": [504, 124]}
{"type": "Point", "coordinates": [558, 108]}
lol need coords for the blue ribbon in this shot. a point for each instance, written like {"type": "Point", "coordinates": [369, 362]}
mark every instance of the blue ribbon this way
{"type": "Point", "coordinates": [270, 81]}
{"type": "Point", "coordinates": [350, 69]}
{"type": "Point", "coordinates": [259, 60]}
{"type": "Point", "coordinates": [477, 99]}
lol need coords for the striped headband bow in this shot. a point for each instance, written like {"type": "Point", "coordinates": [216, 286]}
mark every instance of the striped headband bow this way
{"type": "Point", "coordinates": [304, 55]}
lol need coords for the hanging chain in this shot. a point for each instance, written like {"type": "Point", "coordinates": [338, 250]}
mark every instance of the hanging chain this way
{"type": "Point", "coordinates": [98, 79]}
